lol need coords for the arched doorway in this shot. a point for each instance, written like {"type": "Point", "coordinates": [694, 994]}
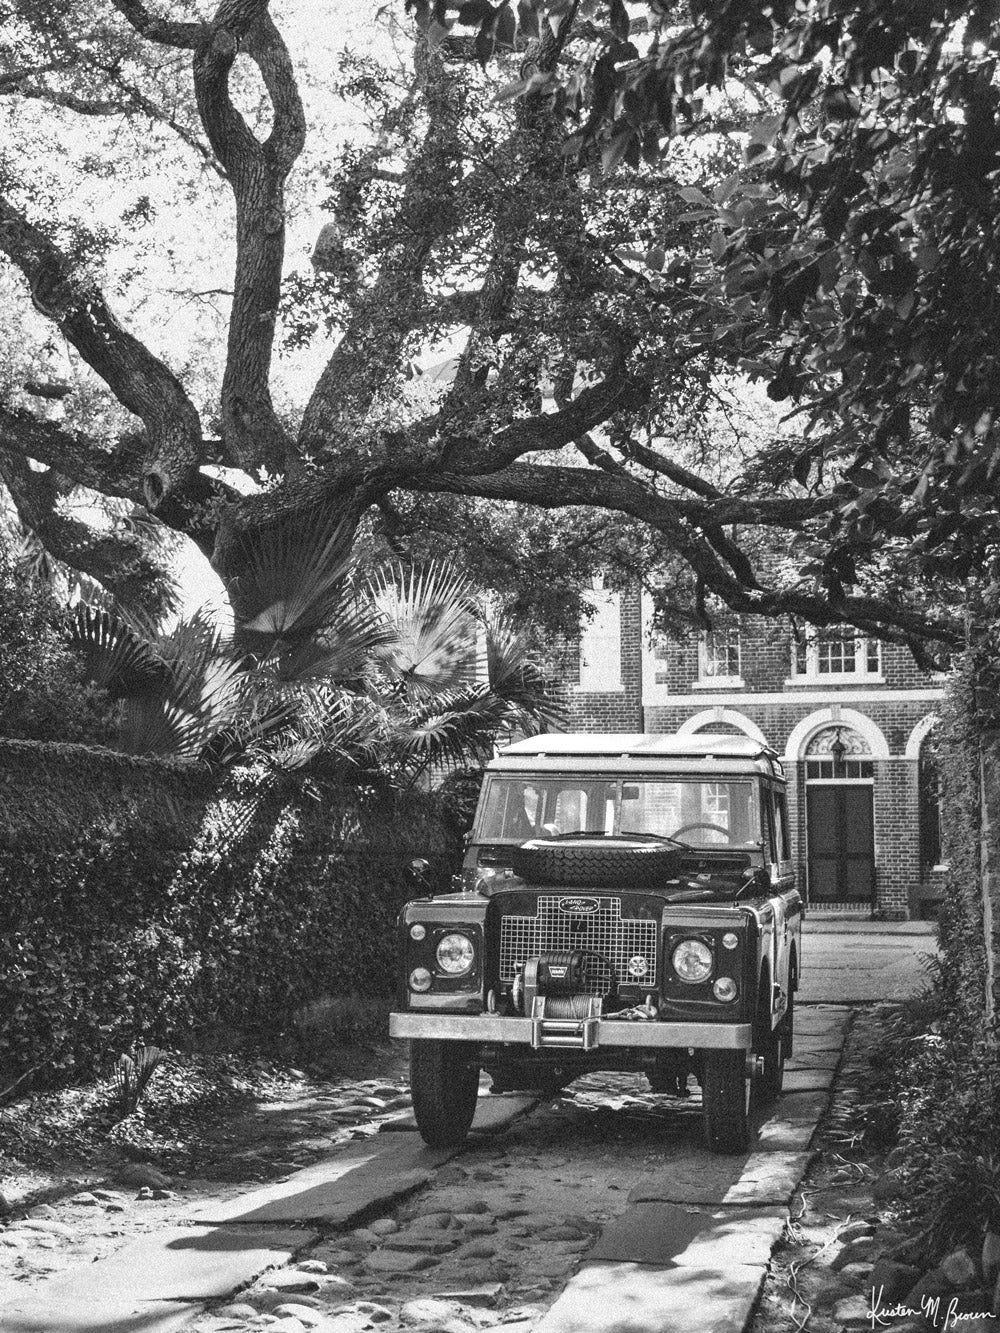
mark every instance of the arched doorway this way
{"type": "Point", "coordinates": [840, 818]}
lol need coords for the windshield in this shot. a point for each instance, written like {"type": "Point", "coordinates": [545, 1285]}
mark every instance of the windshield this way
{"type": "Point", "coordinates": [724, 813]}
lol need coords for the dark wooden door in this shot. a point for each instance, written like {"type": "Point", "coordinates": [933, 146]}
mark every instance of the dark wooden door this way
{"type": "Point", "coordinates": [840, 830]}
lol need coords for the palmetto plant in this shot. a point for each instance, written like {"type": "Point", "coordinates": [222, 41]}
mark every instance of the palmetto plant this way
{"type": "Point", "coordinates": [324, 666]}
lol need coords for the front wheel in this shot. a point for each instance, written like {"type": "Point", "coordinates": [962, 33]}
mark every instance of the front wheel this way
{"type": "Point", "coordinates": [444, 1081]}
{"type": "Point", "coordinates": [726, 1097]}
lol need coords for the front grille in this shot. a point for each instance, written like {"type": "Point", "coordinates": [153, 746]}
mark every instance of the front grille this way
{"type": "Point", "coordinates": [619, 939]}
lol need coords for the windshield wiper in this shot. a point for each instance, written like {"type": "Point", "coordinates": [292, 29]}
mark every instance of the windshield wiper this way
{"type": "Point", "coordinates": [659, 837]}
{"type": "Point", "coordinates": [580, 833]}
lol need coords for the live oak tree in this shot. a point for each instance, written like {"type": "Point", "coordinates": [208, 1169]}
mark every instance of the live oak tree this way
{"type": "Point", "coordinates": [571, 286]}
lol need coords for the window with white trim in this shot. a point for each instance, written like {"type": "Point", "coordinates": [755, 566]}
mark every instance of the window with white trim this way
{"type": "Point", "coordinates": [719, 655]}
{"type": "Point", "coordinates": [601, 643]}
{"type": "Point", "coordinates": [837, 652]}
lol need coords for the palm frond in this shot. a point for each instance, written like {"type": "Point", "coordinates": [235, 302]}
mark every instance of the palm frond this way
{"type": "Point", "coordinates": [515, 677]}
{"type": "Point", "coordinates": [343, 652]}
{"type": "Point", "coordinates": [115, 657]}
{"type": "Point", "coordinates": [454, 729]}
{"type": "Point", "coordinates": [295, 582]}
{"type": "Point", "coordinates": [430, 611]}
{"type": "Point", "coordinates": [335, 724]}
{"type": "Point", "coordinates": [157, 725]}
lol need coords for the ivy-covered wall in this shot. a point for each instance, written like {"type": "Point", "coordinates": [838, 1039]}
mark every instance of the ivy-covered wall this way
{"type": "Point", "coordinates": [969, 759]}
{"type": "Point", "coordinates": [147, 900]}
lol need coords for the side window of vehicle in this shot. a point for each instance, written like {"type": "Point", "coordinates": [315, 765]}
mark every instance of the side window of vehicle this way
{"type": "Point", "coordinates": [781, 817]}
{"type": "Point", "coordinates": [769, 818]}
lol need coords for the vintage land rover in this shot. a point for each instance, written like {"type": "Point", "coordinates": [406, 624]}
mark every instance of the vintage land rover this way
{"type": "Point", "coordinates": [626, 902]}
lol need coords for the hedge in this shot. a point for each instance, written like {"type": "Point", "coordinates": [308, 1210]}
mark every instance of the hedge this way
{"type": "Point", "coordinates": [147, 900]}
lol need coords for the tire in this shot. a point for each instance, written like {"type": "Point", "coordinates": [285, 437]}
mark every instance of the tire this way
{"type": "Point", "coordinates": [788, 1022]}
{"type": "Point", "coordinates": [444, 1081]}
{"type": "Point", "coordinates": [727, 1098]}
{"type": "Point", "coordinates": [770, 1046]}
{"type": "Point", "coordinates": [593, 863]}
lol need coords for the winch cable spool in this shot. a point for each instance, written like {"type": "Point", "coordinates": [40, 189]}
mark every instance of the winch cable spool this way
{"type": "Point", "coordinates": [560, 976]}
{"type": "Point", "coordinates": [567, 1006]}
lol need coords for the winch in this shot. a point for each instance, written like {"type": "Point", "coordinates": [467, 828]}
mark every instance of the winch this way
{"type": "Point", "coordinates": [551, 990]}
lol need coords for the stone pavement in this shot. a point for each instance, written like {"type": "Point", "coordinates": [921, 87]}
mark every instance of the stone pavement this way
{"type": "Point", "coordinates": [690, 1251]}
{"type": "Point", "coordinates": [158, 1284]}
{"type": "Point", "coordinates": [700, 1231]}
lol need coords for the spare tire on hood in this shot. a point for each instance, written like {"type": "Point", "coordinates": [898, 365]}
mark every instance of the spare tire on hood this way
{"type": "Point", "coordinates": [597, 862]}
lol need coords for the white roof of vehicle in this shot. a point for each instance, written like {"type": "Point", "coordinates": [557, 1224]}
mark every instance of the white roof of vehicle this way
{"type": "Point", "coordinates": [625, 744]}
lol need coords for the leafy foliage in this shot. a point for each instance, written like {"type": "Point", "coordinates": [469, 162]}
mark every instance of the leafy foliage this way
{"type": "Point", "coordinates": [43, 693]}
{"type": "Point", "coordinates": [259, 895]}
{"type": "Point", "coordinates": [517, 321]}
{"type": "Point", "coordinates": [323, 667]}
{"type": "Point", "coordinates": [934, 1084]}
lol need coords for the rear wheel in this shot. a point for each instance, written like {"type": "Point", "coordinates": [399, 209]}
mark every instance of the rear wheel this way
{"type": "Point", "coordinates": [771, 1049]}
{"type": "Point", "coordinates": [444, 1081]}
{"type": "Point", "coordinates": [788, 1022]}
{"type": "Point", "coordinates": [727, 1088]}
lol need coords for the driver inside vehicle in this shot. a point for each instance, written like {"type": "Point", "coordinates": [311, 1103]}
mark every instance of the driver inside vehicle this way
{"type": "Point", "coordinates": [522, 813]}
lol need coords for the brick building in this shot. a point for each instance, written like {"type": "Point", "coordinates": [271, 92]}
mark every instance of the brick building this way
{"type": "Point", "coordinates": [851, 718]}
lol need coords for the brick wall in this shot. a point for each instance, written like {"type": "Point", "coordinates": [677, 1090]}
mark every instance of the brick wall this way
{"type": "Point", "coordinates": [766, 669]}
{"type": "Point", "coordinates": [617, 709]}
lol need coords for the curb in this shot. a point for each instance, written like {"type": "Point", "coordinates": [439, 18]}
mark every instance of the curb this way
{"type": "Point", "coordinates": [695, 1255]}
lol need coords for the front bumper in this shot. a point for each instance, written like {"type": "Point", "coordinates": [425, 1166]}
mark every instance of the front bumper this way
{"type": "Point", "coordinates": [606, 1031]}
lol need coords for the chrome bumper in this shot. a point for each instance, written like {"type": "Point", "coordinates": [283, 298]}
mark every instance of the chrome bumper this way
{"type": "Point", "coordinates": [607, 1032]}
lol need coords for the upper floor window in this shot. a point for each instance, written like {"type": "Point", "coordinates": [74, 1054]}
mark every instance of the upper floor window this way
{"type": "Point", "coordinates": [840, 651]}
{"type": "Point", "coordinates": [719, 655]}
{"type": "Point", "coordinates": [601, 642]}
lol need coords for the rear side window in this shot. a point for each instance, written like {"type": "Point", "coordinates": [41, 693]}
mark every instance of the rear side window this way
{"type": "Point", "coordinates": [781, 820]}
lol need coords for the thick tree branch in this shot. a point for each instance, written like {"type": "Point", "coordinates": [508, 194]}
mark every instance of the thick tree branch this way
{"type": "Point", "coordinates": [666, 467]}
{"type": "Point", "coordinates": [132, 569]}
{"type": "Point", "coordinates": [560, 487]}
{"type": "Point", "coordinates": [167, 32]}
{"type": "Point", "coordinates": [138, 379]}
{"type": "Point", "coordinates": [78, 458]}
{"type": "Point", "coordinates": [553, 430]}
{"type": "Point", "coordinates": [252, 432]}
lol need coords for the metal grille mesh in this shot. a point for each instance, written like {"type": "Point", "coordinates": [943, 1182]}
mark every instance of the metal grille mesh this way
{"type": "Point", "coordinates": [605, 931]}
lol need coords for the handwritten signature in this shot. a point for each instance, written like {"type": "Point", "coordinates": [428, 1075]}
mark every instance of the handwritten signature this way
{"type": "Point", "coordinates": [940, 1316]}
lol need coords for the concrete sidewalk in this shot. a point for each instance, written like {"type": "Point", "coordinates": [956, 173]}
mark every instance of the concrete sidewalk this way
{"type": "Point", "coordinates": [864, 962]}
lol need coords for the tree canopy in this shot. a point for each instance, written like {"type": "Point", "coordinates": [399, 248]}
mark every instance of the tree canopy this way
{"type": "Point", "coordinates": [568, 241]}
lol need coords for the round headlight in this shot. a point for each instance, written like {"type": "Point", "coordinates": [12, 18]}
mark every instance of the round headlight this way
{"type": "Point", "coordinates": [692, 961]}
{"type": "Point", "coordinates": [724, 989]}
{"type": "Point", "coordinates": [455, 954]}
{"type": "Point", "coordinates": [420, 979]}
